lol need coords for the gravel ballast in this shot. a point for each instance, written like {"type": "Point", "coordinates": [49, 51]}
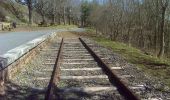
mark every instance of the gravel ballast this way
{"type": "Point", "coordinates": [73, 83]}
{"type": "Point", "coordinates": [153, 88]}
{"type": "Point", "coordinates": [32, 80]}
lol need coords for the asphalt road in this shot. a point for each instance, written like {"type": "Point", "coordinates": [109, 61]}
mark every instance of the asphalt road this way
{"type": "Point", "coordinates": [11, 40]}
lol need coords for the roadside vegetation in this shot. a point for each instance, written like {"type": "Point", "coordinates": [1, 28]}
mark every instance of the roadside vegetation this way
{"type": "Point", "coordinates": [151, 65]}
{"type": "Point", "coordinates": [11, 11]}
{"type": "Point", "coordinates": [36, 28]}
{"type": "Point", "coordinates": [40, 12]}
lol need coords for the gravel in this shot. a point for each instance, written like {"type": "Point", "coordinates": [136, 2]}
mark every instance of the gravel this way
{"type": "Point", "coordinates": [81, 73]}
{"type": "Point", "coordinates": [28, 83]}
{"type": "Point", "coordinates": [102, 95]}
{"type": "Point", "coordinates": [32, 80]}
{"type": "Point", "coordinates": [78, 66]}
{"type": "Point", "coordinates": [84, 83]}
{"type": "Point", "coordinates": [77, 51]}
{"type": "Point", "coordinates": [152, 87]}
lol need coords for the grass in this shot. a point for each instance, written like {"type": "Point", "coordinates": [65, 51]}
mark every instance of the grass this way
{"type": "Point", "coordinates": [64, 26]}
{"type": "Point", "coordinates": [151, 65]}
{"type": "Point", "coordinates": [25, 27]}
{"type": "Point", "coordinates": [57, 27]}
{"type": "Point", "coordinates": [132, 54]}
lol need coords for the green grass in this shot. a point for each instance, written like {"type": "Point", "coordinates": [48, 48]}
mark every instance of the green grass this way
{"type": "Point", "coordinates": [61, 26]}
{"type": "Point", "coordinates": [132, 54]}
{"type": "Point", "coordinates": [65, 26]}
{"type": "Point", "coordinates": [153, 66]}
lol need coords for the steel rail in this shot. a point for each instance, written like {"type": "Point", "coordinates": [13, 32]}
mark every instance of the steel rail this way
{"type": "Point", "coordinates": [113, 78]}
{"type": "Point", "coordinates": [55, 75]}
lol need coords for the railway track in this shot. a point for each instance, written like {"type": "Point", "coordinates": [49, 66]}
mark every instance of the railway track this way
{"type": "Point", "coordinates": [81, 73]}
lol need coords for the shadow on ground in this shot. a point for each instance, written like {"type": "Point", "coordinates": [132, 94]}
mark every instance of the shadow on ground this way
{"type": "Point", "coordinates": [16, 92]}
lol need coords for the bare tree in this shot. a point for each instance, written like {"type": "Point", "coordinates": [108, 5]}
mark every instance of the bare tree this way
{"type": "Point", "coordinates": [42, 7]}
{"type": "Point", "coordinates": [136, 22]}
{"type": "Point", "coordinates": [29, 3]}
{"type": "Point", "coordinates": [164, 5]}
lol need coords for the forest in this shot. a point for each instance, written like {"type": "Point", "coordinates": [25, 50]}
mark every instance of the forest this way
{"type": "Point", "coordinates": [143, 24]}
{"type": "Point", "coordinates": [140, 23]}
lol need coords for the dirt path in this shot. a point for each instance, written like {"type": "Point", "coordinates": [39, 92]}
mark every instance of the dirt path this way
{"type": "Point", "coordinates": [73, 34]}
{"type": "Point", "coordinates": [68, 35]}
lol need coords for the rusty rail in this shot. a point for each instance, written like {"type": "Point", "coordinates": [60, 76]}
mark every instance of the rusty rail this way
{"type": "Point", "coordinates": [54, 76]}
{"type": "Point", "coordinates": [113, 78]}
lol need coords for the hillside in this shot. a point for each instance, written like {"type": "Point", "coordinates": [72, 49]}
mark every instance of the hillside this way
{"type": "Point", "coordinates": [13, 11]}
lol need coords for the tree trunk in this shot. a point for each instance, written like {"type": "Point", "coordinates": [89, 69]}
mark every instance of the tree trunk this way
{"type": "Point", "coordinates": [156, 36]}
{"type": "Point", "coordinates": [96, 32]}
{"type": "Point", "coordinates": [53, 19]}
{"type": "Point", "coordinates": [142, 43]}
{"type": "Point", "coordinates": [69, 19]}
{"type": "Point", "coordinates": [129, 38]}
{"type": "Point", "coordinates": [64, 17]}
{"type": "Point", "coordinates": [43, 19]}
{"type": "Point", "coordinates": [82, 22]}
{"type": "Point", "coordinates": [162, 40]}
{"type": "Point", "coordinates": [156, 27]}
{"type": "Point", "coordinates": [30, 11]}
{"type": "Point", "coordinates": [53, 14]}
{"type": "Point", "coordinates": [59, 19]}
